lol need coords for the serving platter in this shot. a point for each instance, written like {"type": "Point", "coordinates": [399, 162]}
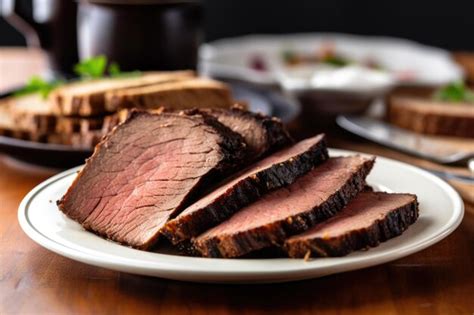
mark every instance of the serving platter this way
{"type": "Point", "coordinates": [441, 211]}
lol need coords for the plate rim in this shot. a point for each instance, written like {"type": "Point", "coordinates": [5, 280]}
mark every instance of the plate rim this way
{"type": "Point", "coordinates": [290, 273]}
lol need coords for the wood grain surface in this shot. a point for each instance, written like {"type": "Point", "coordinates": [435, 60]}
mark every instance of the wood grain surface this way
{"type": "Point", "coordinates": [33, 280]}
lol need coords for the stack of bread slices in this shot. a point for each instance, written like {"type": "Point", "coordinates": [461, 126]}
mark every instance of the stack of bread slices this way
{"type": "Point", "coordinates": [80, 113]}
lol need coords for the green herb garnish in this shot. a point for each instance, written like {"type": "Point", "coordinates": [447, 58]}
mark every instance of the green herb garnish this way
{"type": "Point", "coordinates": [96, 67]}
{"type": "Point", "coordinates": [292, 58]}
{"type": "Point", "coordinates": [114, 69]}
{"type": "Point", "coordinates": [455, 92]}
{"type": "Point", "coordinates": [335, 61]}
{"type": "Point", "coordinates": [38, 85]}
{"type": "Point", "coordinates": [91, 68]}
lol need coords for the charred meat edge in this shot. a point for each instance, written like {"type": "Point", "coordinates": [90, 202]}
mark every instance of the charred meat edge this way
{"type": "Point", "coordinates": [233, 150]}
{"type": "Point", "coordinates": [393, 224]}
{"type": "Point", "coordinates": [275, 233]}
{"type": "Point", "coordinates": [276, 133]}
{"type": "Point", "coordinates": [245, 192]}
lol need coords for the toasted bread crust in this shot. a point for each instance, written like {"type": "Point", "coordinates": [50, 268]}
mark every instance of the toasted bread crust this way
{"type": "Point", "coordinates": [87, 98]}
{"type": "Point", "coordinates": [432, 118]}
{"type": "Point", "coordinates": [185, 94]}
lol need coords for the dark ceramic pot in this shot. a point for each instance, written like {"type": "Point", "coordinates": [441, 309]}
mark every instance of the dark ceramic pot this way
{"type": "Point", "coordinates": [141, 34]}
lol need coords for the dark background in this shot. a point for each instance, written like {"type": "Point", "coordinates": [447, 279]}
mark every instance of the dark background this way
{"type": "Point", "coordinates": [448, 23]}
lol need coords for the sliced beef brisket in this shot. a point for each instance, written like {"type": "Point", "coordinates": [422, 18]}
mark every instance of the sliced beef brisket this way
{"type": "Point", "coordinates": [263, 134]}
{"type": "Point", "coordinates": [278, 170]}
{"type": "Point", "coordinates": [146, 170]}
{"type": "Point", "coordinates": [370, 218]}
{"type": "Point", "coordinates": [287, 211]}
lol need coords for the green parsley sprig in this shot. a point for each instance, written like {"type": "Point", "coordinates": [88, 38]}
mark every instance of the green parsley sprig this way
{"type": "Point", "coordinates": [455, 92]}
{"type": "Point", "coordinates": [93, 68]}
{"type": "Point", "coordinates": [37, 85]}
{"type": "Point", "coordinates": [98, 67]}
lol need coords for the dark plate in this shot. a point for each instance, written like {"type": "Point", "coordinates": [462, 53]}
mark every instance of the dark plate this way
{"type": "Point", "coordinates": [64, 156]}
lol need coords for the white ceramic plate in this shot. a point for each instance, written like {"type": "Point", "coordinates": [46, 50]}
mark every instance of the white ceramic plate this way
{"type": "Point", "coordinates": [441, 211]}
{"type": "Point", "coordinates": [408, 61]}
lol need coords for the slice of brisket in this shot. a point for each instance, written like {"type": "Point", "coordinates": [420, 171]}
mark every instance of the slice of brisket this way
{"type": "Point", "coordinates": [278, 170]}
{"type": "Point", "coordinates": [146, 170]}
{"type": "Point", "coordinates": [287, 211]}
{"type": "Point", "coordinates": [370, 218]}
{"type": "Point", "coordinates": [263, 134]}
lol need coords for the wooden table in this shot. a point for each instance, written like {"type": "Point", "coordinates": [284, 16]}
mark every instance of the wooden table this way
{"type": "Point", "coordinates": [33, 280]}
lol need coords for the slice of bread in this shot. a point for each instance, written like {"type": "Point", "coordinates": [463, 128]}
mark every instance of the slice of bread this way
{"type": "Point", "coordinates": [83, 140]}
{"type": "Point", "coordinates": [79, 113]}
{"type": "Point", "coordinates": [35, 114]}
{"type": "Point", "coordinates": [185, 94]}
{"type": "Point", "coordinates": [87, 98]}
{"type": "Point", "coordinates": [431, 117]}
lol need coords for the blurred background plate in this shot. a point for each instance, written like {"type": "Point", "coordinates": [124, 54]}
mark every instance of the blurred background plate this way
{"type": "Point", "coordinates": [413, 63]}
{"type": "Point", "coordinates": [325, 93]}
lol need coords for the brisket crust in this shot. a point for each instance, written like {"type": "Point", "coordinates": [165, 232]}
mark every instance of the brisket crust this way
{"type": "Point", "coordinates": [396, 221]}
{"type": "Point", "coordinates": [232, 148]}
{"type": "Point", "coordinates": [275, 133]}
{"type": "Point", "coordinates": [249, 125]}
{"type": "Point", "coordinates": [277, 232]}
{"type": "Point", "coordinates": [245, 192]}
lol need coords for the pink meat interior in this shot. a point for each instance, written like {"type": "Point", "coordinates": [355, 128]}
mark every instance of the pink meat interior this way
{"type": "Point", "coordinates": [361, 212]}
{"type": "Point", "coordinates": [277, 157]}
{"type": "Point", "coordinates": [302, 196]}
{"type": "Point", "coordinates": [141, 175]}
